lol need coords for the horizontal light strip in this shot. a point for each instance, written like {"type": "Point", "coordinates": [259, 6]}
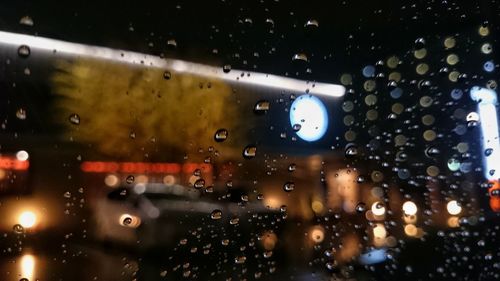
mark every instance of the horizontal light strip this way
{"type": "Point", "coordinates": [252, 78]}
{"type": "Point", "coordinates": [143, 167]}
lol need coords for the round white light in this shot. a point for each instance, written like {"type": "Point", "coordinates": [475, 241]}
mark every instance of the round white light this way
{"type": "Point", "coordinates": [453, 207]}
{"type": "Point", "coordinates": [22, 155]}
{"type": "Point", "coordinates": [378, 209]}
{"type": "Point", "coordinates": [409, 208]}
{"type": "Point", "coordinates": [308, 116]}
{"type": "Point", "coordinates": [27, 219]}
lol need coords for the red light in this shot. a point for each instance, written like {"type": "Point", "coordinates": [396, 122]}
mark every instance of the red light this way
{"type": "Point", "coordinates": [142, 167]}
{"type": "Point", "coordinates": [11, 163]}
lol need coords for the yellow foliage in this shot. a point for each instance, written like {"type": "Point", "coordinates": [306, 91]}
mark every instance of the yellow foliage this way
{"type": "Point", "coordinates": [117, 101]}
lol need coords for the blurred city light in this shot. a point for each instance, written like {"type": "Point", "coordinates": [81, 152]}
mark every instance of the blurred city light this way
{"type": "Point", "coordinates": [27, 264]}
{"type": "Point", "coordinates": [487, 101]}
{"type": "Point", "coordinates": [411, 230]}
{"type": "Point", "coordinates": [111, 180]}
{"type": "Point", "coordinates": [22, 155]}
{"type": "Point", "coordinates": [378, 209]}
{"type": "Point", "coordinates": [317, 234]}
{"type": "Point", "coordinates": [453, 207]}
{"type": "Point", "coordinates": [409, 208]}
{"type": "Point", "coordinates": [27, 219]}
{"type": "Point", "coordinates": [102, 53]}
{"type": "Point", "coordinates": [373, 256]}
{"type": "Point", "coordinates": [309, 118]}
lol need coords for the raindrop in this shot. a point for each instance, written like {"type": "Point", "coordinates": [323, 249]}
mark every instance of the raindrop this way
{"type": "Point", "coordinates": [172, 43]}
{"type": "Point", "coordinates": [250, 151]}
{"type": "Point", "coordinates": [226, 68]}
{"type": "Point", "coordinates": [240, 259]}
{"type": "Point", "coordinates": [296, 127]}
{"type": "Point", "coordinates": [292, 167]}
{"type": "Point", "coordinates": [351, 151]}
{"type": "Point", "coordinates": [360, 207]}
{"type": "Point", "coordinates": [130, 179]}
{"type": "Point", "coordinates": [488, 152]}
{"type": "Point", "coordinates": [167, 75]}
{"type": "Point", "coordinates": [200, 183]}
{"type": "Point", "coordinates": [312, 23]}
{"type": "Point", "coordinates": [300, 57]}
{"type": "Point", "coordinates": [26, 20]}
{"type": "Point", "coordinates": [234, 221]}
{"type": "Point", "coordinates": [289, 186]}
{"type": "Point", "coordinates": [18, 228]}
{"type": "Point", "coordinates": [267, 254]}
{"type": "Point", "coordinates": [216, 215]}
{"type": "Point", "coordinates": [419, 43]}
{"type": "Point", "coordinates": [21, 114]}
{"type": "Point", "coordinates": [220, 135]}
{"type": "Point", "coordinates": [261, 106]}
{"type": "Point", "coordinates": [24, 51]}
{"type": "Point", "coordinates": [431, 151]}
{"type": "Point", "coordinates": [74, 119]}
{"type": "Point", "coordinates": [127, 221]}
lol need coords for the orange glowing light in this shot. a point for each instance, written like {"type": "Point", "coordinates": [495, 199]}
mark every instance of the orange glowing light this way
{"type": "Point", "coordinates": [494, 199]}
{"type": "Point", "coordinates": [12, 163]}
{"type": "Point", "coordinates": [142, 167]}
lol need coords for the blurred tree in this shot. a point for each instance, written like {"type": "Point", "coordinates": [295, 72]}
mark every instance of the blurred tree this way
{"type": "Point", "coordinates": [144, 113]}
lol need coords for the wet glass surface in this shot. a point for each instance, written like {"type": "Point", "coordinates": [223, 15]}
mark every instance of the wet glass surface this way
{"type": "Point", "coordinates": [268, 140]}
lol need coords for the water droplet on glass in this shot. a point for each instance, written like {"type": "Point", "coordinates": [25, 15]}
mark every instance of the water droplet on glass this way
{"type": "Point", "coordinates": [432, 151]}
{"type": "Point", "coordinates": [127, 221]}
{"type": "Point", "coordinates": [74, 119]}
{"type": "Point", "coordinates": [130, 179]}
{"type": "Point", "coordinates": [240, 259]}
{"type": "Point", "coordinates": [419, 43]}
{"type": "Point", "coordinates": [67, 194]}
{"type": "Point", "coordinates": [261, 107]}
{"type": "Point", "coordinates": [312, 23]}
{"type": "Point", "coordinates": [360, 207]}
{"type": "Point", "coordinates": [26, 20]}
{"type": "Point", "coordinates": [171, 43]}
{"type": "Point", "coordinates": [226, 68]}
{"type": "Point", "coordinates": [360, 179]}
{"type": "Point", "coordinates": [488, 152]}
{"type": "Point", "coordinates": [292, 167]}
{"type": "Point", "coordinates": [267, 254]}
{"type": "Point", "coordinates": [351, 151]}
{"type": "Point", "coordinates": [18, 228]}
{"type": "Point", "coordinates": [21, 114]}
{"type": "Point", "coordinates": [289, 186]}
{"type": "Point", "coordinates": [24, 51]}
{"type": "Point", "coordinates": [216, 215]}
{"type": "Point", "coordinates": [296, 127]}
{"type": "Point", "coordinates": [198, 184]}
{"type": "Point", "coordinates": [250, 151]}
{"type": "Point", "coordinates": [220, 135]}
{"type": "Point", "coordinates": [300, 57]}
{"type": "Point", "coordinates": [167, 75]}
{"type": "Point", "coordinates": [234, 221]}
